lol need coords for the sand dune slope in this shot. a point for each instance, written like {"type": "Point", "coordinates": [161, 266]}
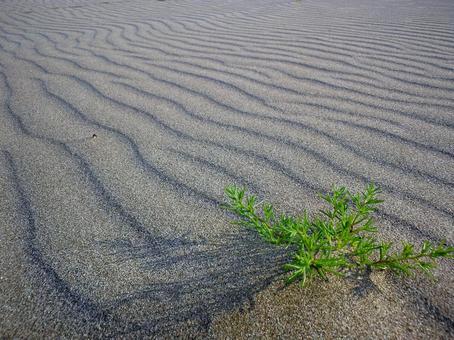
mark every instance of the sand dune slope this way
{"type": "Point", "coordinates": [122, 121]}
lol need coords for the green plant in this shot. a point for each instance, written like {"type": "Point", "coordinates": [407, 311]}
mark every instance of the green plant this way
{"type": "Point", "coordinates": [335, 241]}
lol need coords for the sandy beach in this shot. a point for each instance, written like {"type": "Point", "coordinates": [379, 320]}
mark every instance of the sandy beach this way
{"type": "Point", "coordinates": [121, 122]}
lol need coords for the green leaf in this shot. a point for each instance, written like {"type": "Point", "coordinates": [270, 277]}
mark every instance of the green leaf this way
{"type": "Point", "coordinates": [339, 239]}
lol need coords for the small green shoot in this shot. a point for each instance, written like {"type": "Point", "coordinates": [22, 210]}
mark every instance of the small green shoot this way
{"type": "Point", "coordinates": [339, 239]}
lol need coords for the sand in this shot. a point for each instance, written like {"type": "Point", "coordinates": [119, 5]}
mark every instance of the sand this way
{"type": "Point", "coordinates": [122, 121]}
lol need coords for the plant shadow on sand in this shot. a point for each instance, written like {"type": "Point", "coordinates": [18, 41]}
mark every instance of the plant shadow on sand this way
{"type": "Point", "coordinates": [193, 281]}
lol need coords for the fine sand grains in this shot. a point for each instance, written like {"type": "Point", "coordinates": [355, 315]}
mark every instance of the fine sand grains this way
{"type": "Point", "coordinates": [121, 234]}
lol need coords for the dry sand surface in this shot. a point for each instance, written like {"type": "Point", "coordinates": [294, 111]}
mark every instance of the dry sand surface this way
{"type": "Point", "coordinates": [122, 235]}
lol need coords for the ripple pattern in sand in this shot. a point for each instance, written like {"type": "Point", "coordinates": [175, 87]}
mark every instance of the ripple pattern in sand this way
{"type": "Point", "coordinates": [122, 234]}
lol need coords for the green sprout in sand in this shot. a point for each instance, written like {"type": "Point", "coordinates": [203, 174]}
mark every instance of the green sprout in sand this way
{"type": "Point", "coordinates": [338, 240]}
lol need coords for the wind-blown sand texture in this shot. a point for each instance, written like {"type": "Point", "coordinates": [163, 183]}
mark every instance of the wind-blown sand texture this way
{"type": "Point", "coordinates": [122, 234]}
